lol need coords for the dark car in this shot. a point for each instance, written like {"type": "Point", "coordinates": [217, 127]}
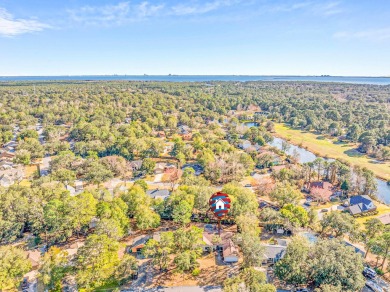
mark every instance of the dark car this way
{"type": "Point", "coordinates": [302, 290]}
{"type": "Point", "coordinates": [369, 273]}
{"type": "Point", "coordinates": [263, 204]}
{"type": "Point", "coordinates": [25, 284]}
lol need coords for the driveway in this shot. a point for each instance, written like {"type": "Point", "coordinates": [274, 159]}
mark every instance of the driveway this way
{"type": "Point", "coordinates": [45, 166]}
{"type": "Point", "coordinates": [158, 177]}
{"type": "Point", "coordinates": [332, 208]}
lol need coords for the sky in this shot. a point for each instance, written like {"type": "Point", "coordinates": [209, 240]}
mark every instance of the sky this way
{"type": "Point", "coordinates": [196, 37]}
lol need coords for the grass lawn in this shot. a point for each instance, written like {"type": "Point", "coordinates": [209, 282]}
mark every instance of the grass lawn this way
{"type": "Point", "coordinates": [381, 208]}
{"type": "Point", "coordinates": [325, 147]}
{"type": "Point", "coordinates": [29, 170]}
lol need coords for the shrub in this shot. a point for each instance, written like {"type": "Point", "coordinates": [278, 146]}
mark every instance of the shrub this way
{"type": "Point", "coordinates": [379, 271]}
{"type": "Point", "coordinates": [195, 272]}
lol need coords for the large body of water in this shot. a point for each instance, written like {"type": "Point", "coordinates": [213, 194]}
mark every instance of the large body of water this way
{"type": "Point", "coordinates": [203, 78]}
{"type": "Point", "coordinates": [307, 156]}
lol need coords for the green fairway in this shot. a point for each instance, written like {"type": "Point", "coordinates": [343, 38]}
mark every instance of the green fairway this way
{"type": "Point", "coordinates": [325, 147]}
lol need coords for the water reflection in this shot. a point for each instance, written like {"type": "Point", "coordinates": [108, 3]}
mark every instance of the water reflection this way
{"type": "Point", "coordinates": [305, 156]}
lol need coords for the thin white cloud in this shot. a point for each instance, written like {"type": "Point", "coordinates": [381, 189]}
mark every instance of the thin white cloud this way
{"type": "Point", "coordinates": [118, 14]}
{"type": "Point", "coordinates": [9, 26]}
{"type": "Point", "coordinates": [290, 7]}
{"type": "Point", "coordinates": [377, 35]}
{"type": "Point", "coordinates": [313, 7]}
{"type": "Point", "coordinates": [185, 9]}
{"type": "Point", "coordinates": [126, 12]}
{"type": "Point", "coordinates": [329, 8]}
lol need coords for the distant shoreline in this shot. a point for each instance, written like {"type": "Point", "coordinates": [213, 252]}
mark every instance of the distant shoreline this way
{"type": "Point", "coordinates": [189, 75]}
{"type": "Point", "coordinates": [206, 78]}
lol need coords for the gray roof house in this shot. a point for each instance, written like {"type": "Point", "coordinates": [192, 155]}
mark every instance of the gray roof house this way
{"type": "Point", "coordinates": [158, 194]}
{"type": "Point", "coordinates": [360, 204]}
{"type": "Point", "coordinates": [136, 164]}
{"type": "Point", "coordinates": [273, 253]}
{"type": "Point", "coordinates": [6, 181]}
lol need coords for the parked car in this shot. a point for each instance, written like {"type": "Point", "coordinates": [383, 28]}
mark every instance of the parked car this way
{"type": "Point", "coordinates": [307, 203]}
{"type": "Point", "coordinates": [248, 185]}
{"type": "Point", "coordinates": [302, 290]}
{"type": "Point", "coordinates": [324, 210]}
{"type": "Point", "coordinates": [374, 286]}
{"type": "Point", "coordinates": [25, 284]}
{"type": "Point", "coordinates": [263, 204]}
{"type": "Point", "coordinates": [369, 273]}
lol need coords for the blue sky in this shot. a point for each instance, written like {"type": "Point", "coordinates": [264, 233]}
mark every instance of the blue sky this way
{"type": "Point", "coordinates": [254, 37]}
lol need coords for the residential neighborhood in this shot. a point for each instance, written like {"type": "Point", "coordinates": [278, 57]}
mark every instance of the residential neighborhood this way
{"type": "Point", "coordinates": [139, 200]}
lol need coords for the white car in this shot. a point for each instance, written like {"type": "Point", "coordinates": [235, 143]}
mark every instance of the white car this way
{"type": "Point", "coordinates": [374, 286]}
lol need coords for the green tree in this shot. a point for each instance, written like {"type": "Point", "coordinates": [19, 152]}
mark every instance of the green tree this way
{"type": "Point", "coordinates": [109, 227]}
{"type": "Point", "coordinates": [96, 261]}
{"type": "Point", "coordinates": [160, 250]}
{"type": "Point", "coordinates": [293, 268]}
{"type": "Point", "coordinates": [66, 176]}
{"type": "Point", "coordinates": [285, 193]}
{"type": "Point", "coordinates": [97, 172]}
{"type": "Point", "coordinates": [338, 223]}
{"type": "Point", "coordinates": [252, 249]}
{"type": "Point", "coordinates": [250, 280]}
{"type": "Point", "coordinates": [186, 261]}
{"type": "Point", "coordinates": [13, 266]}
{"type": "Point", "coordinates": [116, 210]}
{"type": "Point", "coordinates": [23, 157]}
{"type": "Point", "coordinates": [54, 268]}
{"type": "Point", "coordinates": [334, 263]}
{"type": "Point", "coordinates": [142, 183]}
{"type": "Point", "coordinates": [182, 213]}
{"type": "Point", "coordinates": [33, 146]}
{"type": "Point", "coordinates": [243, 200]}
{"type": "Point", "coordinates": [354, 132]}
{"type": "Point", "coordinates": [127, 267]}
{"type": "Point", "coordinates": [28, 134]}
{"type": "Point", "coordinates": [296, 215]}
{"type": "Point", "coordinates": [81, 209]}
{"type": "Point", "coordinates": [373, 228]}
{"type": "Point", "coordinates": [148, 166]}
{"type": "Point", "coordinates": [134, 198]}
{"type": "Point", "coordinates": [384, 242]}
{"type": "Point", "coordinates": [146, 218]}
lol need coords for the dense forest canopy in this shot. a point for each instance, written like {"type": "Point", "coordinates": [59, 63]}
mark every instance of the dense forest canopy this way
{"type": "Point", "coordinates": [356, 108]}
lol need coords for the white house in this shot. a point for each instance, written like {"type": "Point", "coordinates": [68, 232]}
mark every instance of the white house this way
{"type": "Point", "coordinates": [220, 204]}
{"type": "Point", "coordinates": [71, 190]}
{"type": "Point", "coordinates": [6, 181]}
{"type": "Point", "coordinates": [245, 144]}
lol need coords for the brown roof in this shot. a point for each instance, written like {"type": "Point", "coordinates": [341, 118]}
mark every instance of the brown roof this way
{"type": "Point", "coordinates": [385, 218]}
{"type": "Point", "coordinates": [34, 257]}
{"type": "Point", "coordinates": [7, 154]}
{"type": "Point", "coordinates": [321, 190]}
{"type": "Point", "coordinates": [229, 249]}
{"type": "Point", "coordinates": [278, 168]}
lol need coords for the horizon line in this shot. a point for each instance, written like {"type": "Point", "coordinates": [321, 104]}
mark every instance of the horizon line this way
{"type": "Point", "coordinates": [175, 75]}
